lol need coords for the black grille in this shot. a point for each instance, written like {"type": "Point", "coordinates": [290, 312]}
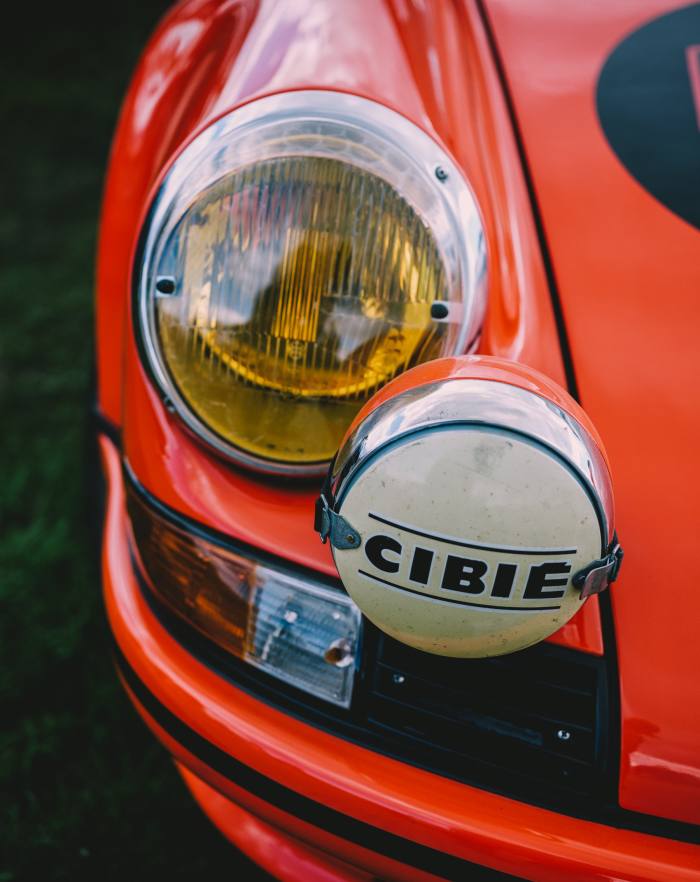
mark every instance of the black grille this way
{"type": "Point", "coordinates": [526, 723]}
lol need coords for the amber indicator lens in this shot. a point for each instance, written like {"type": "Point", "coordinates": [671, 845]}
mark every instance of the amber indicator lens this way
{"type": "Point", "coordinates": [287, 294]}
{"type": "Point", "coordinates": [293, 628]}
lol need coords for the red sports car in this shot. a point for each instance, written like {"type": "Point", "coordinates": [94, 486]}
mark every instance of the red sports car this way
{"type": "Point", "coordinates": [396, 335]}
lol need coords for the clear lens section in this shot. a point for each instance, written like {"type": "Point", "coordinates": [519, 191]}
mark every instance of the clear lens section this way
{"type": "Point", "coordinates": [292, 628]}
{"type": "Point", "coordinates": [292, 261]}
{"type": "Point", "coordinates": [302, 285]}
{"type": "Point", "coordinates": [305, 636]}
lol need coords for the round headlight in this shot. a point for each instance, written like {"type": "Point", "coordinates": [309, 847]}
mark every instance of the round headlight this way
{"type": "Point", "coordinates": [301, 252]}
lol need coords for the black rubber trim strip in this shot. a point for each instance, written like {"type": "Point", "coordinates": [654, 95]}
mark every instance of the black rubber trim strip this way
{"type": "Point", "coordinates": [567, 358]}
{"type": "Point", "coordinates": [104, 426]}
{"type": "Point", "coordinates": [614, 747]}
{"type": "Point", "coordinates": [338, 824]}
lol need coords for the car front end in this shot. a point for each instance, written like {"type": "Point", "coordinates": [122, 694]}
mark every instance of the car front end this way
{"type": "Point", "coordinates": [342, 242]}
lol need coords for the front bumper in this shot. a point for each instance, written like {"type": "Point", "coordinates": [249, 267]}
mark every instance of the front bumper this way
{"type": "Point", "coordinates": [373, 814]}
{"type": "Point", "coordinates": [283, 856]}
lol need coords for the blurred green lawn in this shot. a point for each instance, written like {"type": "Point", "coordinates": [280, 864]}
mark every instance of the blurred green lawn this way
{"type": "Point", "coordinates": [86, 793]}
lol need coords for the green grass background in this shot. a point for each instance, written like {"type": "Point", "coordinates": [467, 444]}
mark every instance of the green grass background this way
{"type": "Point", "coordinates": [86, 792]}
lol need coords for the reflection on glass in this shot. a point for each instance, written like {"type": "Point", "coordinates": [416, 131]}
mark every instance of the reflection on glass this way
{"type": "Point", "coordinates": [303, 285]}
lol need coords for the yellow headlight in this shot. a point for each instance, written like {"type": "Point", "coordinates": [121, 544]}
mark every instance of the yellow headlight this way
{"type": "Point", "coordinates": [306, 284]}
{"type": "Point", "coordinates": [290, 272]}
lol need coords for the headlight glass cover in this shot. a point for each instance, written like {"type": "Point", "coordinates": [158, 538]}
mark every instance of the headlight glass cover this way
{"type": "Point", "coordinates": [301, 252]}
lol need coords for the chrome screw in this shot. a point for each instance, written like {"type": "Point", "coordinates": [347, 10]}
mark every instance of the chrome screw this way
{"type": "Point", "coordinates": [440, 174]}
{"type": "Point", "coordinates": [165, 285]}
{"type": "Point", "coordinates": [398, 679]}
{"type": "Point", "coordinates": [339, 653]}
{"type": "Point", "coordinates": [564, 735]}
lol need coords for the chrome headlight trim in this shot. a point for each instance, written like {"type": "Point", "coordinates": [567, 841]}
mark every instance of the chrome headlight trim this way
{"type": "Point", "coordinates": [481, 402]}
{"type": "Point", "coordinates": [313, 123]}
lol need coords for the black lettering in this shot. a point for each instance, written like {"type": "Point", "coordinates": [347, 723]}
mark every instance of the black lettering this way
{"type": "Point", "coordinates": [420, 565]}
{"type": "Point", "coordinates": [464, 574]}
{"type": "Point", "coordinates": [538, 580]}
{"type": "Point", "coordinates": [503, 583]}
{"type": "Point", "coordinates": [375, 548]}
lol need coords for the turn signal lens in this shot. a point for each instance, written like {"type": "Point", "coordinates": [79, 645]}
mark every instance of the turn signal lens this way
{"type": "Point", "coordinates": [300, 254]}
{"type": "Point", "coordinates": [293, 628]}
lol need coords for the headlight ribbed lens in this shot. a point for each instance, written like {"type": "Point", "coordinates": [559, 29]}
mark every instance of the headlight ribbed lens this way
{"type": "Point", "coordinates": [297, 274]}
{"type": "Point", "coordinates": [306, 284]}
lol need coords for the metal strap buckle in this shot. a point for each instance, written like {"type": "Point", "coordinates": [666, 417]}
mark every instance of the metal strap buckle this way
{"type": "Point", "coordinates": [599, 574]}
{"type": "Point", "coordinates": [330, 525]}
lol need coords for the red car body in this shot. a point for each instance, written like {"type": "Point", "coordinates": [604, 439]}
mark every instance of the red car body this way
{"type": "Point", "coordinates": [593, 282]}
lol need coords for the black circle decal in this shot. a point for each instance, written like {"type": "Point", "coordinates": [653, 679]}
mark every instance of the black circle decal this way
{"type": "Point", "coordinates": [648, 102]}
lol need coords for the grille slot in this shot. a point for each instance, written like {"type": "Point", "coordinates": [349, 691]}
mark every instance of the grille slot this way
{"type": "Point", "coordinates": [525, 719]}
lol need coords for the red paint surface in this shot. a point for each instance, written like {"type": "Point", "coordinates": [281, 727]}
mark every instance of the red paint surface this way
{"type": "Point", "coordinates": [284, 856]}
{"type": "Point", "coordinates": [629, 276]}
{"type": "Point", "coordinates": [625, 266]}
